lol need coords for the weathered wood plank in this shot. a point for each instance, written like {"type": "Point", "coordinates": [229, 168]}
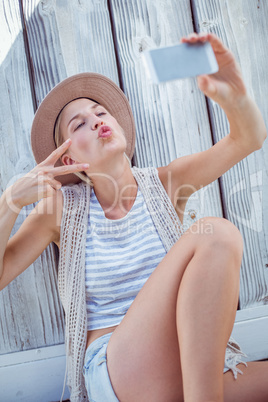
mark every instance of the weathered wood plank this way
{"type": "Point", "coordinates": [251, 330]}
{"type": "Point", "coordinates": [35, 318]}
{"type": "Point", "coordinates": [33, 375]}
{"type": "Point", "coordinates": [30, 313]}
{"type": "Point", "coordinates": [66, 38]}
{"type": "Point", "coordinates": [242, 26]}
{"type": "Point", "coordinates": [171, 118]}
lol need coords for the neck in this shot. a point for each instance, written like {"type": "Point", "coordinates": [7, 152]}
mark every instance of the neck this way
{"type": "Point", "coordinates": [116, 191]}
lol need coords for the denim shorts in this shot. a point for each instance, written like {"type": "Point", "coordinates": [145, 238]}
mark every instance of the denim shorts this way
{"type": "Point", "coordinates": [97, 380]}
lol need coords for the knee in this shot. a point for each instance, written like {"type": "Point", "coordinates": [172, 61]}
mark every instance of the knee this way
{"type": "Point", "coordinates": [218, 234]}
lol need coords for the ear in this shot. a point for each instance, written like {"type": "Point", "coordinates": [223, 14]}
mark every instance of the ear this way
{"type": "Point", "coordinates": [67, 160]}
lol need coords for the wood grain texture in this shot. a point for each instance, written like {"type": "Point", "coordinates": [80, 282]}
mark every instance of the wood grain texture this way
{"type": "Point", "coordinates": [30, 311]}
{"type": "Point", "coordinates": [250, 331]}
{"type": "Point", "coordinates": [242, 27]}
{"type": "Point", "coordinates": [171, 118]}
{"type": "Point", "coordinates": [66, 38]}
{"type": "Point", "coordinates": [71, 36]}
{"type": "Point", "coordinates": [33, 375]}
{"type": "Point", "coordinates": [31, 314]}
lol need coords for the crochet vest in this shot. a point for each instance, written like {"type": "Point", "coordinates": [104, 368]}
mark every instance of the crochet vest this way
{"type": "Point", "coordinates": [71, 272]}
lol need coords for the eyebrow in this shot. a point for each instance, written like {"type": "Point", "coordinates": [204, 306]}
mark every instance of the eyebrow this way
{"type": "Point", "coordinates": [79, 114]}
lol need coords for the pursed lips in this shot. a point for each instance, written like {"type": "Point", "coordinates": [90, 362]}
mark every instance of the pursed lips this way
{"type": "Point", "coordinates": [105, 132]}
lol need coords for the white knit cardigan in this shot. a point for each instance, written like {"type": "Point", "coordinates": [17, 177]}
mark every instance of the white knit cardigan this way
{"type": "Point", "coordinates": [71, 273]}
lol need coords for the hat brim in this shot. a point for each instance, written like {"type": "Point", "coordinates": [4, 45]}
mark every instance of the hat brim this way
{"type": "Point", "coordinates": [84, 85]}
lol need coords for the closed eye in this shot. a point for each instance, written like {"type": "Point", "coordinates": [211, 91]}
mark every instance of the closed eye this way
{"type": "Point", "coordinates": [79, 125]}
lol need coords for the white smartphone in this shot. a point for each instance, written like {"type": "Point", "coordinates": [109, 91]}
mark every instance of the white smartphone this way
{"type": "Point", "coordinates": [180, 61]}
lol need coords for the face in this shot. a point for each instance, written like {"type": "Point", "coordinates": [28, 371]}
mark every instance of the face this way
{"type": "Point", "coordinates": [96, 136]}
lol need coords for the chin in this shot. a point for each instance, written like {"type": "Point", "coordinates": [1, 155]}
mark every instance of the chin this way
{"type": "Point", "coordinates": [115, 148]}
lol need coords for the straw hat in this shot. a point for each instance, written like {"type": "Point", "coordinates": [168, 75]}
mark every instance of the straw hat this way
{"type": "Point", "coordinates": [85, 85]}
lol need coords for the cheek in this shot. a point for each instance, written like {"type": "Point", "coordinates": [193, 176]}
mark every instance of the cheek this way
{"type": "Point", "coordinates": [81, 141]}
{"type": "Point", "coordinates": [123, 137]}
{"type": "Point", "coordinates": [119, 129]}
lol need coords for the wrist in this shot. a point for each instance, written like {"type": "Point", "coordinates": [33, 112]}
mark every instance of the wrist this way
{"type": "Point", "coordinates": [236, 107]}
{"type": "Point", "coordinates": [12, 200]}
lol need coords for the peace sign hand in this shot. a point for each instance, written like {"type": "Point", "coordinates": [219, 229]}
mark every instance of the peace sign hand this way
{"type": "Point", "coordinates": [40, 182]}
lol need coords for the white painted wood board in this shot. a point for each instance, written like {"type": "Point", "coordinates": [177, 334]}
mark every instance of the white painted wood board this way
{"type": "Point", "coordinates": [66, 38]}
{"type": "Point", "coordinates": [34, 375]}
{"type": "Point", "coordinates": [30, 311]}
{"type": "Point", "coordinates": [74, 36]}
{"type": "Point", "coordinates": [251, 332]}
{"type": "Point", "coordinates": [242, 26]}
{"type": "Point", "coordinates": [171, 118]}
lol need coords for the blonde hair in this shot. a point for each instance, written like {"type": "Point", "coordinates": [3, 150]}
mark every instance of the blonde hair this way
{"type": "Point", "coordinates": [58, 139]}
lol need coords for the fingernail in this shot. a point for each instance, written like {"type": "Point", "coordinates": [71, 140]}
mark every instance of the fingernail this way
{"type": "Point", "coordinates": [67, 141]}
{"type": "Point", "coordinates": [85, 165]}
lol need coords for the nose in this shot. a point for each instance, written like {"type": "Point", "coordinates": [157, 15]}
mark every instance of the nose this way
{"type": "Point", "coordinates": [97, 122]}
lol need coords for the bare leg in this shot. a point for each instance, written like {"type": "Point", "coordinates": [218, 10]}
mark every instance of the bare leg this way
{"type": "Point", "coordinates": [190, 300]}
{"type": "Point", "coordinates": [252, 386]}
{"type": "Point", "coordinates": [206, 310]}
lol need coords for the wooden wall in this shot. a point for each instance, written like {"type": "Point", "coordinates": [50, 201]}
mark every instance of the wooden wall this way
{"type": "Point", "coordinates": [44, 41]}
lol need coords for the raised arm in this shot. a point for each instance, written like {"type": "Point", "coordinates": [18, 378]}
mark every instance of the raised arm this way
{"type": "Point", "coordinates": [187, 174]}
{"type": "Point", "coordinates": [42, 226]}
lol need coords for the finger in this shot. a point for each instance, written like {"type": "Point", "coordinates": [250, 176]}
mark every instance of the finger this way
{"type": "Point", "coordinates": [48, 191]}
{"type": "Point", "coordinates": [48, 179]}
{"type": "Point", "coordinates": [206, 86]}
{"type": "Point", "coordinates": [203, 36]}
{"type": "Point", "coordinates": [216, 43]}
{"type": "Point", "coordinates": [55, 184]}
{"type": "Point", "coordinates": [193, 37]}
{"type": "Point", "coordinates": [61, 170]}
{"type": "Point", "coordinates": [57, 153]}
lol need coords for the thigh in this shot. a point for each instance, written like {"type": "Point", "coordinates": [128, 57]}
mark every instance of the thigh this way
{"type": "Point", "coordinates": [251, 386]}
{"type": "Point", "coordinates": [143, 353]}
{"type": "Point", "coordinates": [95, 372]}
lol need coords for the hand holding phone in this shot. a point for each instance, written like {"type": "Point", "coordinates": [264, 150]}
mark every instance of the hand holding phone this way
{"type": "Point", "coordinates": [180, 61]}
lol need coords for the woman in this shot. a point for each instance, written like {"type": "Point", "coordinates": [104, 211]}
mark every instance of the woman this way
{"type": "Point", "coordinates": [134, 286]}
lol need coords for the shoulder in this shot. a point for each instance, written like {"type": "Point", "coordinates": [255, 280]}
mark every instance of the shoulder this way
{"type": "Point", "coordinates": [149, 175]}
{"type": "Point", "coordinates": [177, 177]}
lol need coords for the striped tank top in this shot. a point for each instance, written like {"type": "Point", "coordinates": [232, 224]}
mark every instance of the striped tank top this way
{"type": "Point", "coordinates": [121, 254]}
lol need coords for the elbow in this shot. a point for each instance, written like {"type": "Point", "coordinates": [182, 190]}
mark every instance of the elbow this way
{"type": "Point", "coordinates": [2, 281]}
{"type": "Point", "coordinates": [257, 142]}
{"type": "Point", "coordinates": [264, 137]}
{"type": "Point", "coordinates": [1, 284]}
{"type": "Point", "coordinates": [261, 141]}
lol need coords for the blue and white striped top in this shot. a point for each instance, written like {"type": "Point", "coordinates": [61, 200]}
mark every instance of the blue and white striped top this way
{"type": "Point", "coordinates": [120, 256]}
